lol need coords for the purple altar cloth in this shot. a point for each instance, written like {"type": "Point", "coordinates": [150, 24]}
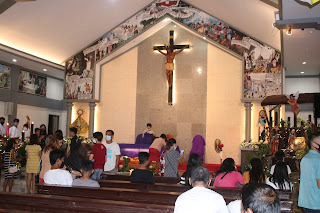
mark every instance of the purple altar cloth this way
{"type": "Point", "coordinates": [132, 150]}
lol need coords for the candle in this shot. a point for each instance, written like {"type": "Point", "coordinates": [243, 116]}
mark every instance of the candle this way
{"type": "Point", "coordinates": [32, 124]}
{"type": "Point", "coordinates": [22, 136]}
{"type": "Point", "coordinates": [7, 130]}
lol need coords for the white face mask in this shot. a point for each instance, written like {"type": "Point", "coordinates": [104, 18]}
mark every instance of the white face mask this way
{"type": "Point", "coordinates": [25, 128]}
{"type": "Point", "coordinates": [108, 137]}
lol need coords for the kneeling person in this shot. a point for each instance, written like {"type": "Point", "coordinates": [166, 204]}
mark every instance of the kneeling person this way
{"type": "Point", "coordinates": [142, 175]}
{"type": "Point", "coordinates": [85, 181]}
{"type": "Point", "coordinates": [57, 176]}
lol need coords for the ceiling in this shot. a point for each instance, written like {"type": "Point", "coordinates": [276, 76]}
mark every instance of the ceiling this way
{"type": "Point", "coordinates": [55, 30]}
{"type": "Point", "coordinates": [302, 45]}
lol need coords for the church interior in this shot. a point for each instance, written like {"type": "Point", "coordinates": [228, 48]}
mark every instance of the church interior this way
{"type": "Point", "coordinates": [226, 80]}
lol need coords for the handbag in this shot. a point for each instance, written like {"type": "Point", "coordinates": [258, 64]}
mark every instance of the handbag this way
{"type": "Point", "coordinates": [12, 169]}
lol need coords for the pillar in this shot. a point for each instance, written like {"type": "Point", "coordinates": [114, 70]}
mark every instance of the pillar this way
{"type": "Point", "coordinates": [248, 107]}
{"type": "Point", "coordinates": [92, 106]}
{"type": "Point", "coordinates": [69, 114]}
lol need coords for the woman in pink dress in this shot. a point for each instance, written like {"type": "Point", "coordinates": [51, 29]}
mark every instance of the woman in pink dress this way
{"type": "Point", "coordinates": [227, 176]}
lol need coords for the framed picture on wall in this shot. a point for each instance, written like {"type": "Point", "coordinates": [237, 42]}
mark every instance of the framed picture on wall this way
{"type": "Point", "coordinates": [32, 83]}
{"type": "Point", "coordinates": [4, 76]}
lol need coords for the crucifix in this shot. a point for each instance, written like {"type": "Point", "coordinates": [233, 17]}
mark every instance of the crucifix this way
{"type": "Point", "coordinates": [170, 55]}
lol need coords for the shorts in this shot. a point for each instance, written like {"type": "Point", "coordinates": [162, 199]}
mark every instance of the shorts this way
{"type": "Point", "coordinates": [154, 155]}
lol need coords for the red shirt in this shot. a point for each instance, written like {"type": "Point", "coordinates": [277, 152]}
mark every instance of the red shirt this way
{"type": "Point", "coordinates": [99, 152]}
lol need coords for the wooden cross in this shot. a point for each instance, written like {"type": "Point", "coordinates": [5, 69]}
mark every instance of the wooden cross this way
{"type": "Point", "coordinates": [170, 55]}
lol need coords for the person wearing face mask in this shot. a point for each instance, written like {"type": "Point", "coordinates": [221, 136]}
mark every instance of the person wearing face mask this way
{"type": "Point", "coordinates": [309, 191]}
{"type": "Point", "coordinates": [113, 154]}
{"type": "Point", "coordinates": [98, 155]}
{"type": "Point", "coordinates": [14, 132]}
{"type": "Point", "coordinates": [172, 159]}
{"type": "Point", "coordinates": [2, 126]}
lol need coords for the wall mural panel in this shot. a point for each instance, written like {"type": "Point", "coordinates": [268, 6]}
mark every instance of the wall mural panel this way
{"type": "Point", "coordinates": [32, 83]}
{"type": "Point", "coordinates": [262, 63]}
{"type": "Point", "coordinates": [4, 76]}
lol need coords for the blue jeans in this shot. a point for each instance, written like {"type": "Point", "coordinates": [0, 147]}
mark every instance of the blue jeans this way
{"type": "Point", "coordinates": [97, 173]}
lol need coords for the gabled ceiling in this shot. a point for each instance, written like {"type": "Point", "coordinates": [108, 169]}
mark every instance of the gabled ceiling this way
{"type": "Point", "coordinates": [55, 30]}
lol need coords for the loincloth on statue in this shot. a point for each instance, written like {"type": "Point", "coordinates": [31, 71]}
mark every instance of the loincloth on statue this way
{"type": "Point", "coordinates": [169, 66]}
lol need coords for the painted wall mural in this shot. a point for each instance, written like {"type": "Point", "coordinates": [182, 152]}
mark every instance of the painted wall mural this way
{"type": "Point", "coordinates": [4, 76]}
{"type": "Point", "coordinates": [32, 83]}
{"type": "Point", "coordinates": [262, 63]}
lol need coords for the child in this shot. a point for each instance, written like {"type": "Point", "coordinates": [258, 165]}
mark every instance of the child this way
{"type": "Point", "coordinates": [148, 130]}
{"type": "Point", "coordinates": [9, 161]}
{"type": "Point", "coordinates": [85, 181]}
{"type": "Point", "coordinates": [99, 155]}
{"type": "Point", "coordinates": [33, 153]}
{"type": "Point", "coordinates": [141, 174]}
{"type": "Point", "coordinates": [57, 176]}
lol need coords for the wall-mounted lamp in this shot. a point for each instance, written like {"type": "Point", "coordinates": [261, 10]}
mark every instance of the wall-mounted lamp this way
{"type": "Point", "coordinates": [289, 31]}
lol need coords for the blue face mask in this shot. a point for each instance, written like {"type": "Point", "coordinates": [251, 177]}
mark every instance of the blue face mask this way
{"type": "Point", "coordinates": [108, 137]}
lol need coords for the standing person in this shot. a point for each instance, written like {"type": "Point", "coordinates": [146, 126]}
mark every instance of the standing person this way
{"type": "Point", "coordinates": [26, 128]}
{"type": "Point", "coordinates": [57, 176]}
{"type": "Point", "coordinates": [227, 176]}
{"type": "Point", "coordinates": [260, 198]}
{"type": "Point", "coordinates": [309, 191]}
{"type": "Point", "coordinates": [53, 144]}
{"type": "Point", "coordinates": [9, 161]}
{"type": "Point", "coordinates": [172, 159]}
{"type": "Point", "coordinates": [75, 144]}
{"type": "Point", "coordinates": [113, 154]}
{"type": "Point", "coordinates": [99, 155]}
{"type": "Point", "coordinates": [193, 162]}
{"type": "Point", "coordinates": [33, 154]}
{"type": "Point", "coordinates": [86, 171]}
{"type": "Point", "coordinates": [2, 126]}
{"type": "Point", "coordinates": [155, 148]}
{"type": "Point", "coordinates": [256, 173]}
{"type": "Point", "coordinates": [14, 132]}
{"type": "Point", "coordinates": [200, 198]}
{"type": "Point", "coordinates": [280, 178]}
{"type": "Point", "coordinates": [141, 174]}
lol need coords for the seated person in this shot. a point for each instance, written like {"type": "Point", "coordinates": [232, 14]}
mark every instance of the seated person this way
{"type": "Point", "coordinates": [148, 130]}
{"type": "Point", "coordinates": [193, 162]}
{"type": "Point", "coordinates": [256, 173]}
{"type": "Point", "coordinates": [260, 198]}
{"type": "Point", "coordinates": [200, 198]}
{"type": "Point", "coordinates": [279, 156]}
{"type": "Point", "coordinates": [227, 176]}
{"type": "Point", "coordinates": [141, 174]}
{"type": "Point", "coordinates": [280, 178]}
{"type": "Point", "coordinates": [85, 181]}
{"type": "Point", "coordinates": [57, 176]}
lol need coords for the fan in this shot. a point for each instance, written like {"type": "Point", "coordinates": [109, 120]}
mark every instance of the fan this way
{"type": "Point", "coordinates": [218, 147]}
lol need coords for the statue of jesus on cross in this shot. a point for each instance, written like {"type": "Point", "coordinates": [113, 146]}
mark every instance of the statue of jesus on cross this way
{"type": "Point", "coordinates": [170, 55]}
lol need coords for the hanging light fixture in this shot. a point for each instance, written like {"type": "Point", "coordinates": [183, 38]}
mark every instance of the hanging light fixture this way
{"type": "Point", "coordinates": [289, 31]}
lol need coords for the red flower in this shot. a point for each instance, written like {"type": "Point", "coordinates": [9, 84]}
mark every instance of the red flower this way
{"type": "Point", "coordinates": [220, 145]}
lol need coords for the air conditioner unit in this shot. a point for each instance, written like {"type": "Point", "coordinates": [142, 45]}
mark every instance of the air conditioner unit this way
{"type": "Point", "coordinates": [8, 110]}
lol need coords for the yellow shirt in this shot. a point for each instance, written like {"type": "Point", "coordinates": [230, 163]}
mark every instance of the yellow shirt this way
{"type": "Point", "coordinates": [246, 177]}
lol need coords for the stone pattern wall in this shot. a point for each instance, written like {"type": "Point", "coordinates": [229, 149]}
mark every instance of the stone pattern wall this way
{"type": "Point", "coordinates": [187, 116]}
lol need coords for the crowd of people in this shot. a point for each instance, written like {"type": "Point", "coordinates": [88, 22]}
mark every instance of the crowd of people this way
{"type": "Point", "coordinates": [81, 164]}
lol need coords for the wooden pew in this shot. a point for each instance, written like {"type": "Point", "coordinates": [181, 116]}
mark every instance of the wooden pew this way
{"type": "Point", "coordinates": [158, 179]}
{"type": "Point", "coordinates": [133, 195]}
{"type": "Point", "coordinates": [46, 203]}
{"type": "Point", "coordinates": [176, 188]}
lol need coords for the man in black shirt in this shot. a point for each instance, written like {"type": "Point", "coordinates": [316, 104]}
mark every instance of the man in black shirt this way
{"type": "Point", "coordinates": [74, 145]}
{"type": "Point", "coordinates": [142, 175]}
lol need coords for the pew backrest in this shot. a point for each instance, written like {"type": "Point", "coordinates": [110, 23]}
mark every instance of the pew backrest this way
{"type": "Point", "coordinates": [158, 179]}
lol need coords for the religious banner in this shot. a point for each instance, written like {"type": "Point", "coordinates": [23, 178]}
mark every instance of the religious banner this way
{"type": "Point", "coordinates": [32, 83]}
{"type": "Point", "coordinates": [259, 58]}
{"type": "Point", "coordinates": [4, 76]}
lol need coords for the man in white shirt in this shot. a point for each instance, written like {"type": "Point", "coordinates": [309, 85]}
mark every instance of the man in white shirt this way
{"type": "Point", "coordinates": [57, 176]}
{"type": "Point", "coordinates": [200, 198]}
{"type": "Point", "coordinates": [14, 132]}
{"type": "Point", "coordinates": [113, 154]}
{"type": "Point", "coordinates": [2, 126]}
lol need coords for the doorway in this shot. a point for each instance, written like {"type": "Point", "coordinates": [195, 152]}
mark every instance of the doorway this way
{"type": "Point", "coordinates": [53, 123]}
